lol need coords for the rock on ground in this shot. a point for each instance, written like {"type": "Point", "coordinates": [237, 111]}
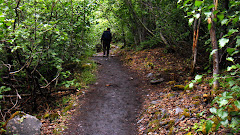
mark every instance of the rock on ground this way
{"type": "Point", "coordinates": [24, 125]}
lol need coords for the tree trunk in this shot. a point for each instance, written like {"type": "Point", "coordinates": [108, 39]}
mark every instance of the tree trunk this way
{"type": "Point", "coordinates": [214, 47]}
{"type": "Point", "coordinates": [164, 39]}
{"type": "Point", "coordinates": [195, 41]}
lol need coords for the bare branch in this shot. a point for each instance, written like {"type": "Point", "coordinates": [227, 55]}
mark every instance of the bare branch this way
{"type": "Point", "coordinates": [51, 81]}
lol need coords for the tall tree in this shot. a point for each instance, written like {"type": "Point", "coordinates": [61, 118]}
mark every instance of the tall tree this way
{"type": "Point", "coordinates": [214, 45]}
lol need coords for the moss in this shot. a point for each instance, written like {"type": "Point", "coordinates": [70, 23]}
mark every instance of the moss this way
{"type": "Point", "coordinates": [171, 82]}
{"type": "Point", "coordinates": [20, 113]}
{"type": "Point", "coordinates": [170, 95]}
{"type": "Point", "coordinates": [153, 125]}
{"type": "Point", "coordinates": [171, 130]}
{"type": "Point", "coordinates": [178, 87]}
{"type": "Point", "coordinates": [46, 115]}
{"type": "Point", "coordinates": [182, 93]}
{"type": "Point", "coordinates": [170, 124]}
{"type": "Point", "coordinates": [215, 124]}
{"type": "Point", "coordinates": [196, 97]}
{"type": "Point", "coordinates": [196, 102]}
{"type": "Point", "coordinates": [186, 113]}
{"type": "Point", "coordinates": [67, 108]}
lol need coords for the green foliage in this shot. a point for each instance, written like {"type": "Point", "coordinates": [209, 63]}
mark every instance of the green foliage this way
{"type": "Point", "coordinates": [42, 35]}
{"type": "Point", "coordinates": [3, 89]}
{"type": "Point", "coordinates": [226, 109]}
{"type": "Point", "coordinates": [198, 79]}
{"type": "Point", "coordinates": [38, 38]}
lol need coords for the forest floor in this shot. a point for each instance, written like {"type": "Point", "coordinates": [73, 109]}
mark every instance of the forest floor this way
{"type": "Point", "coordinates": [169, 107]}
{"type": "Point", "coordinates": [144, 94]}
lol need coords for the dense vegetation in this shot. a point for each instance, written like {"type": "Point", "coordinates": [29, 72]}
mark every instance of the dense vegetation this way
{"type": "Point", "coordinates": [42, 40]}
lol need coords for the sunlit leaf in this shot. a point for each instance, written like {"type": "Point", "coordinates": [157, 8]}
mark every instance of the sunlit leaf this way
{"type": "Point", "coordinates": [191, 85]}
{"type": "Point", "coordinates": [222, 114]}
{"type": "Point", "coordinates": [224, 123]}
{"type": "Point", "coordinates": [231, 83]}
{"type": "Point", "coordinates": [198, 78]}
{"type": "Point", "coordinates": [223, 102]}
{"type": "Point", "coordinates": [234, 122]}
{"type": "Point", "coordinates": [208, 14]}
{"type": "Point", "coordinates": [224, 21]}
{"type": "Point", "coordinates": [231, 67]}
{"type": "Point", "coordinates": [231, 31]}
{"type": "Point", "coordinates": [223, 42]}
{"type": "Point", "coordinates": [238, 42]}
{"type": "Point", "coordinates": [213, 51]}
{"type": "Point", "coordinates": [190, 21]}
{"type": "Point", "coordinates": [213, 110]}
{"type": "Point", "coordinates": [230, 59]}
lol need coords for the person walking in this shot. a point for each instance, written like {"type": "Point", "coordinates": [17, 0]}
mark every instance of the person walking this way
{"type": "Point", "coordinates": [106, 40]}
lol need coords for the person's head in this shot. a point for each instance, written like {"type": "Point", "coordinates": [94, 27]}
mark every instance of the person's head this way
{"type": "Point", "coordinates": [108, 29]}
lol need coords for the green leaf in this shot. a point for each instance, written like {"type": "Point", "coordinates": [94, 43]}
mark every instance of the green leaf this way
{"type": "Point", "coordinates": [185, 2]}
{"type": "Point", "coordinates": [235, 88]}
{"type": "Point", "coordinates": [223, 42]}
{"type": "Point", "coordinates": [213, 51]}
{"type": "Point", "coordinates": [222, 114]}
{"type": "Point", "coordinates": [213, 110]}
{"type": "Point", "coordinates": [209, 26]}
{"type": "Point", "coordinates": [198, 77]}
{"type": "Point", "coordinates": [190, 21]}
{"type": "Point", "coordinates": [225, 123]}
{"type": "Point", "coordinates": [220, 16]}
{"type": "Point", "coordinates": [230, 59]}
{"type": "Point", "coordinates": [222, 102]}
{"type": "Point", "coordinates": [237, 103]}
{"type": "Point", "coordinates": [208, 14]}
{"type": "Point", "coordinates": [231, 67]}
{"type": "Point", "coordinates": [235, 20]}
{"type": "Point", "coordinates": [179, 1]}
{"type": "Point", "coordinates": [238, 42]}
{"type": "Point", "coordinates": [209, 125]}
{"type": "Point", "coordinates": [197, 15]}
{"type": "Point", "coordinates": [224, 21]}
{"type": "Point", "coordinates": [211, 6]}
{"type": "Point", "coordinates": [198, 3]}
{"type": "Point", "coordinates": [191, 85]}
{"type": "Point", "coordinates": [230, 50]}
{"type": "Point", "coordinates": [231, 83]}
{"type": "Point", "coordinates": [231, 31]}
{"type": "Point", "coordinates": [234, 122]}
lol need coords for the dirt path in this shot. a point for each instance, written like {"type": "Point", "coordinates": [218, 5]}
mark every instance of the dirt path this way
{"type": "Point", "coordinates": [111, 105]}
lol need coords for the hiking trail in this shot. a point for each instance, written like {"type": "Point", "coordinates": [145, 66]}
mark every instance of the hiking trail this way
{"type": "Point", "coordinates": [111, 105]}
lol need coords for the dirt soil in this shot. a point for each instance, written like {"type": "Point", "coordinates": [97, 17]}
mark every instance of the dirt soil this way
{"type": "Point", "coordinates": [112, 103]}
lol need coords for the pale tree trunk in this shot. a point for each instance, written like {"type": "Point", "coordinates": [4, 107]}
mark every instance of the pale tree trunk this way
{"type": "Point", "coordinates": [195, 41]}
{"type": "Point", "coordinates": [214, 47]}
{"type": "Point", "coordinates": [163, 39]}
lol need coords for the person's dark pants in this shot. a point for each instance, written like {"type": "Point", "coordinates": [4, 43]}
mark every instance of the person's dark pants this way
{"type": "Point", "coordinates": [106, 47]}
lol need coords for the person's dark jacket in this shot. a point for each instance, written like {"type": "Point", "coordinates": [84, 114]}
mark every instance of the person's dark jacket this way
{"type": "Point", "coordinates": [107, 36]}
